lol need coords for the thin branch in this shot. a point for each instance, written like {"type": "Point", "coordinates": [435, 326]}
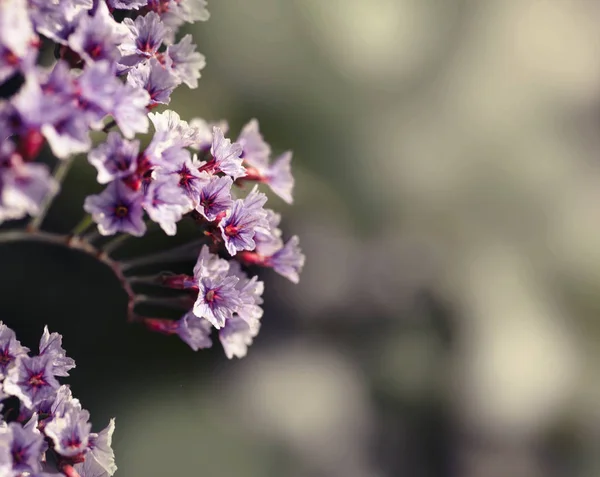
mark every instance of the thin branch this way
{"type": "Point", "coordinates": [115, 243]}
{"type": "Point", "coordinates": [75, 243]}
{"type": "Point", "coordinates": [83, 225]}
{"type": "Point", "coordinates": [60, 172]}
{"type": "Point", "coordinates": [183, 252]}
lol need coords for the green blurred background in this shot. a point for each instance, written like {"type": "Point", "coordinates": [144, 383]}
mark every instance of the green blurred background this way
{"type": "Point", "coordinates": [448, 202]}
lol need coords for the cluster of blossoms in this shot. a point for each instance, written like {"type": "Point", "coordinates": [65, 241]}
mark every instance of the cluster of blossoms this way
{"type": "Point", "coordinates": [117, 60]}
{"type": "Point", "coordinates": [43, 428]}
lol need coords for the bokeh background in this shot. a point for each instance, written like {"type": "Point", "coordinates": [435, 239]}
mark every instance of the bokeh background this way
{"type": "Point", "coordinates": [448, 202]}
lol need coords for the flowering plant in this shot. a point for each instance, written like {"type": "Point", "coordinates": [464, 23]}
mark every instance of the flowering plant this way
{"type": "Point", "coordinates": [116, 61]}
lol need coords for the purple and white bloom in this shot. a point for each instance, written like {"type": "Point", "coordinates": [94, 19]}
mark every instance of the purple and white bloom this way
{"type": "Point", "coordinates": [31, 380]}
{"type": "Point", "coordinates": [236, 336]}
{"type": "Point", "coordinates": [59, 404]}
{"type": "Point", "coordinates": [226, 156]}
{"type": "Point", "coordinates": [116, 158]}
{"type": "Point", "coordinates": [288, 261]}
{"type": "Point", "coordinates": [195, 331]}
{"type": "Point", "coordinates": [177, 162]}
{"type": "Point", "coordinates": [100, 458]}
{"type": "Point", "coordinates": [68, 136]}
{"type": "Point", "coordinates": [100, 93]}
{"type": "Point", "coordinates": [215, 197]}
{"type": "Point", "coordinates": [127, 4]}
{"type": "Point", "coordinates": [117, 209]}
{"type": "Point", "coordinates": [204, 138]}
{"type": "Point", "coordinates": [27, 445]}
{"type": "Point", "coordinates": [218, 299]}
{"type": "Point", "coordinates": [175, 12]}
{"type": "Point", "coordinates": [51, 345]}
{"type": "Point", "coordinates": [130, 111]}
{"type": "Point", "coordinates": [157, 80]}
{"type": "Point", "coordinates": [145, 37]}
{"type": "Point", "coordinates": [268, 241]}
{"type": "Point", "coordinates": [185, 61]}
{"type": "Point", "coordinates": [16, 30]}
{"type": "Point", "coordinates": [210, 265]}
{"type": "Point", "coordinates": [60, 80]}
{"type": "Point", "coordinates": [251, 290]}
{"type": "Point", "coordinates": [10, 349]}
{"type": "Point", "coordinates": [98, 37]}
{"type": "Point", "coordinates": [70, 433]}
{"type": "Point", "coordinates": [174, 131]}
{"type": "Point", "coordinates": [165, 203]}
{"type": "Point", "coordinates": [16, 39]}
{"type": "Point", "coordinates": [255, 151]}
{"type": "Point", "coordinates": [279, 177]}
{"type": "Point", "coordinates": [57, 20]}
{"type": "Point", "coordinates": [97, 89]}
{"type": "Point", "coordinates": [23, 188]}
{"type": "Point", "coordinates": [32, 107]}
{"type": "Point", "coordinates": [243, 220]}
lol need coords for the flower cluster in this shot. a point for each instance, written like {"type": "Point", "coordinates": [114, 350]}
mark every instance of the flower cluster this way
{"type": "Point", "coordinates": [116, 61]}
{"type": "Point", "coordinates": [43, 428]}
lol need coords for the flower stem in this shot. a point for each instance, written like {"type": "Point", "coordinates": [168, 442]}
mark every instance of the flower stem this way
{"type": "Point", "coordinates": [178, 302]}
{"type": "Point", "coordinates": [183, 252]}
{"type": "Point", "coordinates": [115, 243]}
{"type": "Point", "coordinates": [82, 245]}
{"type": "Point", "coordinates": [83, 225]}
{"type": "Point", "coordinates": [69, 471]}
{"type": "Point", "coordinates": [60, 172]}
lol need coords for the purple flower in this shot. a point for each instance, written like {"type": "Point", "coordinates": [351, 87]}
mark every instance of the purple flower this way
{"type": "Point", "coordinates": [236, 336]}
{"type": "Point", "coordinates": [101, 93]}
{"type": "Point", "coordinates": [51, 345]}
{"type": "Point", "coordinates": [176, 162]}
{"type": "Point", "coordinates": [60, 81]}
{"type": "Point", "coordinates": [171, 130]}
{"type": "Point", "coordinates": [31, 380]}
{"type": "Point", "coordinates": [165, 203]}
{"type": "Point", "coordinates": [185, 61]}
{"type": "Point", "coordinates": [251, 290]}
{"type": "Point", "coordinates": [288, 261]}
{"type": "Point", "coordinates": [10, 349]}
{"type": "Point", "coordinates": [32, 107]}
{"type": "Point", "coordinates": [130, 111]}
{"type": "Point", "coordinates": [97, 90]}
{"type": "Point", "coordinates": [70, 433]}
{"type": "Point", "coordinates": [145, 37]}
{"type": "Point", "coordinates": [175, 12]}
{"type": "Point", "coordinates": [116, 158]}
{"type": "Point", "coordinates": [98, 37]}
{"type": "Point", "coordinates": [204, 129]}
{"type": "Point", "coordinates": [26, 446]}
{"type": "Point", "coordinates": [218, 299]}
{"type": "Point", "coordinates": [153, 77]}
{"type": "Point", "coordinates": [100, 458]}
{"type": "Point", "coordinates": [23, 187]}
{"type": "Point", "coordinates": [16, 30]}
{"type": "Point", "coordinates": [117, 209]}
{"type": "Point", "coordinates": [215, 197]}
{"type": "Point", "coordinates": [226, 156]}
{"type": "Point", "coordinates": [243, 220]}
{"type": "Point", "coordinates": [21, 448]}
{"type": "Point", "coordinates": [127, 5]}
{"type": "Point", "coordinates": [255, 151]}
{"type": "Point", "coordinates": [194, 331]}
{"type": "Point", "coordinates": [59, 404]}
{"type": "Point", "coordinates": [279, 177]}
{"type": "Point", "coordinates": [268, 241]}
{"type": "Point", "coordinates": [210, 265]}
